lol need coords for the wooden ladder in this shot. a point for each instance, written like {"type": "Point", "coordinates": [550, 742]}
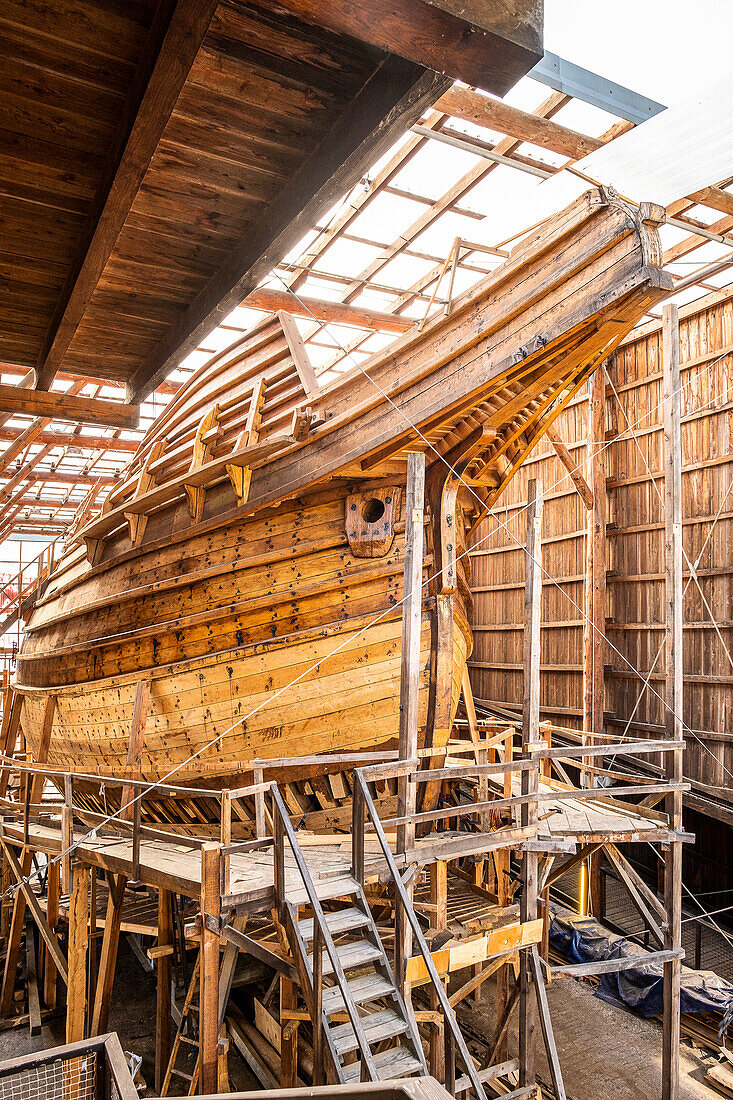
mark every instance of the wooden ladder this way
{"type": "Point", "coordinates": [187, 1041]}
{"type": "Point", "coordinates": [191, 1041]}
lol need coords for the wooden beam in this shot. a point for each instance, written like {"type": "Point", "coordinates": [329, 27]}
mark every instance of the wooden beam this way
{"type": "Point", "coordinates": [108, 957]}
{"type": "Point", "coordinates": [673, 693]}
{"type": "Point", "coordinates": [76, 991]}
{"type": "Point", "coordinates": [209, 975]}
{"type": "Point", "coordinates": [529, 780]}
{"type": "Point", "coordinates": [494, 114]}
{"type": "Point", "coordinates": [409, 687]}
{"type": "Point", "coordinates": [336, 313]}
{"type": "Point", "coordinates": [594, 624]}
{"type": "Point", "coordinates": [66, 439]}
{"type": "Point", "coordinates": [63, 406]}
{"type": "Point", "coordinates": [568, 462]}
{"type": "Point", "coordinates": [50, 970]}
{"type": "Point", "coordinates": [389, 102]}
{"type": "Point", "coordinates": [185, 33]}
{"type": "Point", "coordinates": [466, 40]}
{"type": "Point", "coordinates": [55, 954]}
{"type": "Point", "coordinates": [163, 991]}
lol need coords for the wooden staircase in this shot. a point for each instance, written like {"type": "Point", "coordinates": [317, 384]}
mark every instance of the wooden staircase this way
{"type": "Point", "coordinates": [362, 978]}
{"type": "Point", "coordinates": [344, 968]}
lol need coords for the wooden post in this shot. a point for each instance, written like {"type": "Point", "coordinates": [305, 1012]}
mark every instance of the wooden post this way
{"type": "Point", "coordinates": [530, 778]}
{"type": "Point", "coordinates": [76, 992]}
{"type": "Point", "coordinates": [439, 920]}
{"type": "Point", "coordinates": [163, 992]}
{"type": "Point", "coordinates": [594, 627]}
{"type": "Point", "coordinates": [674, 691]}
{"type": "Point", "coordinates": [17, 921]}
{"type": "Point", "coordinates": [52, 916]}
{"type": "Point", "coordinates": [288, 1034]}
{"type": "Point", "coordinates": [209, 977]}
{"type": "Point", "coordinates": [409, 685]}
{"type": "Point", "coordinates": [108, 956]}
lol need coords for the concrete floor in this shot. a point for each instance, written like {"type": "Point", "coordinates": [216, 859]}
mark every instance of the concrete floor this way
{"type": "Point", "coordinates": [604, 1050]}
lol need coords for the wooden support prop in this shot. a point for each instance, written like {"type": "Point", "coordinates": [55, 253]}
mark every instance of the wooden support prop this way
{"type": "Point", "coordinates": [108, 957]}
{"type": "Point", "coordinates": [67, 834]}
{"type": "Point", "coordinates": [138, 521]}
{"type": "Point", "coordinates": [584, 490]}
{"type": "Point", "coordinates": [595, 597]}
{"type": "Point", "coordinates": [76, 992]}
{"type": "Point", "coordinates": [209, 979]}
{"type": "Point", "coordinates": [9, 734]}
{"type": "Point", "coordinates": [163, 991]}
{"type": "Point", "coordinates": [54, 952]}
{"type": "Point", "coordinates": [203, 446]}
{"type": "Point", "coordinates": [241, 476]}
{"type": "Point", "coordinates": [439, 900]}
{"type": "Point", "coordinates": [50, 970]}
{"type": "Point", "coordinates": [303, 365]}
{"type": "Point", "coordinates": [31, 979]}
{"type": "Point", "coordinates": [548, 1034]}
{"type": "Point", "coordinates": [530, 777]}
{"type": "Point", "coordinates": [288, 1034]}
{"type": "Point", "coordinates": [17, 921]}
{"type": "Point", "coordinates": [673, 692]}
{"type": "Point", "coordinates": [409, 687]}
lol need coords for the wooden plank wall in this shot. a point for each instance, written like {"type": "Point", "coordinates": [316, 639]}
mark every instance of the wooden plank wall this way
{"type": "Point", "coordinates": [635, 558]}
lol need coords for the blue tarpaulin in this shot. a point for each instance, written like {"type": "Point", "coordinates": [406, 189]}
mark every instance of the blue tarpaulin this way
{"type": "Point", "coordinates": [582, 939]}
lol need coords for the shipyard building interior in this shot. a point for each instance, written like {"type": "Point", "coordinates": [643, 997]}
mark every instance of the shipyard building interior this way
{"type": "Point", "coordinates": [366, 549]}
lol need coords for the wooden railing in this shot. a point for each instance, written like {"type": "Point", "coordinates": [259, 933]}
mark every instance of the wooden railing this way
{"type": "Point", "coordinates": [28, 580]}
{"type": "Point", "coordinates": [363, 808]}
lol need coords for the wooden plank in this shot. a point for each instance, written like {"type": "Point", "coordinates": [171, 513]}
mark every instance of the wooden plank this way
{"type": "Point", "coordinates": [613, 966]}
{"type": "Point", "coordinates": [673, 692]}
{"type": "Point", "coordinates": [76, 991]}
{"type": "Point", "coordinates": [63, 406]}
{"type": "Point", "coordinates": [391, 100]}
{"type": "Point", "coordinates": [188, 25]}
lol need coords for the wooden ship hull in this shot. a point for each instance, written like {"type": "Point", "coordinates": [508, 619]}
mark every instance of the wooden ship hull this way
{"type": "Point", "coordinates": [238, 599]}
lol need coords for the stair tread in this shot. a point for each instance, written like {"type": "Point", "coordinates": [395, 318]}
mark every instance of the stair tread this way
{"type": "Point", "coordinates": [351, 955]}
{"type": "Point", "coordinates": [343, 921]}
{"type": "Point", "coordinates": [377, 1027]}
{"type": "Point", "coordinates": [326, 889]}
{"type": "Point", "coordinates": [396, 1062]}
{"type": "Point", "coordinates": [367, 987]}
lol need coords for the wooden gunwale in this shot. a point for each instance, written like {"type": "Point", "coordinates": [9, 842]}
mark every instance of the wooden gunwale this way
{"type": "Point", "coordinates": [629, 281]}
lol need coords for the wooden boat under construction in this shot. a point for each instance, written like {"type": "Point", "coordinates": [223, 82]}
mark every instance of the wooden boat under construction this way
{"type": "Point", "coordinates": [242, 585]}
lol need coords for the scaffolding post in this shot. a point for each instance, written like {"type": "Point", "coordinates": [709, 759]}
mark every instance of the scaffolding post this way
{"type": "Point", "coordinates": [530, 735]}
{"type": "Point", "coordinates": [673, 692]}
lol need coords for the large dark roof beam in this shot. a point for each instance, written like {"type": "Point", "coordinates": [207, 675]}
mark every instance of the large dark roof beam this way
{"type": "Point", "coordinates": [148, 109]}
{"type": "Point", "coordinates": [389, 102]}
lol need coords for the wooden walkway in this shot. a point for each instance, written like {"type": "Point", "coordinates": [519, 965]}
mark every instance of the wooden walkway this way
{"type": "Point", "coordinates": [593, 821]}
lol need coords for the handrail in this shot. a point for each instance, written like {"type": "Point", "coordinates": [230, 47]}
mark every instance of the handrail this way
{"type": "Point", "coordinates": [284, 826]}
{"type": "Point", "coordinates": [366, 803]}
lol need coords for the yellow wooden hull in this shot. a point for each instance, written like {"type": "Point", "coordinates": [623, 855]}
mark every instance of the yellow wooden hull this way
{"type": "Point", "coordinates": [266, 639]}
